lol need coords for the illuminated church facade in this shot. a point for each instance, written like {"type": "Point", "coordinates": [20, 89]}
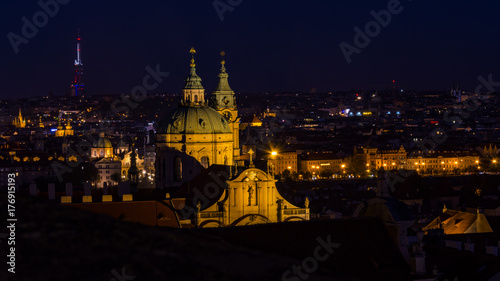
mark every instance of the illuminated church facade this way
{"type": "Point", "coordinates": [250, 198]}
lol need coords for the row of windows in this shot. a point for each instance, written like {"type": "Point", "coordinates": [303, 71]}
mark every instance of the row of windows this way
{"type": "Point", "coordinates": [107, 167]}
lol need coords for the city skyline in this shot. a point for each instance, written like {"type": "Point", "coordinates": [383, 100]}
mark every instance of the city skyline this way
{"type": "Point", "coordinates": [295, 47]}
{"type": "Point", "coordinates": [238, 140]}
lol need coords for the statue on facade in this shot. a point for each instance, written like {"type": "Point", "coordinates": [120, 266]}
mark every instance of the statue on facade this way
{"type": "Point", "coordinates": [250, 195]}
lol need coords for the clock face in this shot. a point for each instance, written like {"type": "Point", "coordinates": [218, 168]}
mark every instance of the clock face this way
{"type": "Point", "coordinates": [227, 115]}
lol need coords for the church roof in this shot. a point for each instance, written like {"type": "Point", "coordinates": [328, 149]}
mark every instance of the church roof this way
{"type": "Point", "coordinates": [122, 143]}
{"type": "Point", "coordinates": [103, 142]}
{"type": "Point", "coordinates": [193, 120]}
{"type": "Point", "coordinates": [223, 85]}
{"type": "Point", "coordinates": [457, 222]}
{"type": "Point", "coordinates": [212, 176]}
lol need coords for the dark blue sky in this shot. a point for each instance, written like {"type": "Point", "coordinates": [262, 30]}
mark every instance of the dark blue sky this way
{"type": "Point", "coordinates": [270, 45]}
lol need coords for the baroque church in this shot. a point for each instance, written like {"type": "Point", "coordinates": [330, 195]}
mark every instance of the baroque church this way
{"type": "Point", "coordinates": [198, 163]}
{"type": "Point", "coordinates": [197, 132]}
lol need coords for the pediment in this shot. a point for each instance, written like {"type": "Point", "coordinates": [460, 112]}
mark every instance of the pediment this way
{"type": "Point", "coordinates": [253, 174]}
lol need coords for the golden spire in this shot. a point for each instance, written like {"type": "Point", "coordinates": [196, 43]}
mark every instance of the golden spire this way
{"type": "Point", "coordinates": [192, 51]}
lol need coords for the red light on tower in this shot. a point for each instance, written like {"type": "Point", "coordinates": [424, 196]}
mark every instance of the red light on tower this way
{"type": "Point", "coordinates": [393, 81]}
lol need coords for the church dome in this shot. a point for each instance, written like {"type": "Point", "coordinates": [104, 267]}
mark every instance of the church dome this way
{"type": "Point", "coordinates": [193, 120]}
{"type": "Point", "coordinates": [103, 142]}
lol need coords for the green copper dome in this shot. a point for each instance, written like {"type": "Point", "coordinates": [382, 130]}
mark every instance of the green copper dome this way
{"type": "Point", "coordinates": [193, 120]}
{"type": "Point", "coordinates": [103, 142]}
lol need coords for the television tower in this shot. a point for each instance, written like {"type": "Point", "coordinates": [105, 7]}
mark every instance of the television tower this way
{"type": "Point", "coordinates": [77, 85]}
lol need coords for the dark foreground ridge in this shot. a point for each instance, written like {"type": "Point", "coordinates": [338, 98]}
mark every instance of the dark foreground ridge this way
{"type": "Point", "coordinates": [60, 243]}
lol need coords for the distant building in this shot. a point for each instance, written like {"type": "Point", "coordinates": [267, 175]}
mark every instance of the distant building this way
{"type": "Point", "coordinates": [283, 161]}
{"type": "Point", "coordinates": [318, 162]}
{"type": "Point", "coordinates": [19, 121]}
{"type": "Point", "coordinates": [436, 162]}
{"type": "Point", "coordinates": [102, 148]}
{"type": "Point", "coordinates": [126, 164]}
{"type": "Point", "coordinates": [107, 167]}
{"type": "Point", "coordinates": [64, 131]}
{"type": "Point", "coordinates": [442, 162]}
{"type": "Point", "coordinates": [387, 159]}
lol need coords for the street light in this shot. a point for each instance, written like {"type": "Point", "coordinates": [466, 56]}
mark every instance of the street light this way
{"type": "Point", "coordinates": [273, 154]}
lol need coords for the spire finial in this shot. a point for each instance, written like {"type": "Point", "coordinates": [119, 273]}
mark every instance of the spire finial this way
{"type": "Point", "coordinates": [223, 62]}
{"type": "Point", "coordinates": [192, 51]}
{"type": "Point", "coordinates": [222, 54]}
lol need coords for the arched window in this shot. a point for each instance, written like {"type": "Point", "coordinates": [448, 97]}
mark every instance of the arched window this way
{"type": "Point", "coordinates": [195, 98]}
{"type": "Point", "coordinates": [177, 168]}
{"type": "Point", "coordinates": [205, 162]}
{"type": "Point", "coordinates": [225, 160]}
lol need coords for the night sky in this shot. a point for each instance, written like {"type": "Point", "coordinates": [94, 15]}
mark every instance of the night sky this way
{"type": "Point", "coordinates": [270, 45]}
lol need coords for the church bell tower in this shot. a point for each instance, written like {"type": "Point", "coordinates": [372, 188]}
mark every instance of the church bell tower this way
{"type": "Point", "coordinates": [224, 101]}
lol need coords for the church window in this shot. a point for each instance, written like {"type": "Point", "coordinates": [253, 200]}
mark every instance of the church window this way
{"type": "Point", "coordinates": [178, 168]}
{"type": "Point", "coordinates": [195, 98]}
